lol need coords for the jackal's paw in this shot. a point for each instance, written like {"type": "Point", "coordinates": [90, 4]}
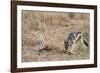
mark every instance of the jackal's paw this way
{"type": "Point", "coordinates": [70, 53]}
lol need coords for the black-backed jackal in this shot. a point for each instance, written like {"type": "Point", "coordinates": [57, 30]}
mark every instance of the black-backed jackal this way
{"type": "Point", "coordinates": [71, 42]}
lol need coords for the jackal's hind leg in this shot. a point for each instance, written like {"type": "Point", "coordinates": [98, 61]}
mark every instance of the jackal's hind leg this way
{"type": "Point", "coordinates": [83, 44]}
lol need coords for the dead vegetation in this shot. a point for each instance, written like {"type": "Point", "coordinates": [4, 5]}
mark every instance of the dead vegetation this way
{"type": "Point", "coordinates": [54, 27]}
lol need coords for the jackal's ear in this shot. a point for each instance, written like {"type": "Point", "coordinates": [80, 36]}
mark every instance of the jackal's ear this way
{"type": "Point", "coordinates": [79, 32]}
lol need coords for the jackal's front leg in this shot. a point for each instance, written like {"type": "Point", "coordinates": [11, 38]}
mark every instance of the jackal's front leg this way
{"type": "Point", "coordinates": [70, 51]}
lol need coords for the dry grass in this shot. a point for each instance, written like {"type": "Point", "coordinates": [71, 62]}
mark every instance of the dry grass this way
{"type": "Point", "coordinates": [55, 27]}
